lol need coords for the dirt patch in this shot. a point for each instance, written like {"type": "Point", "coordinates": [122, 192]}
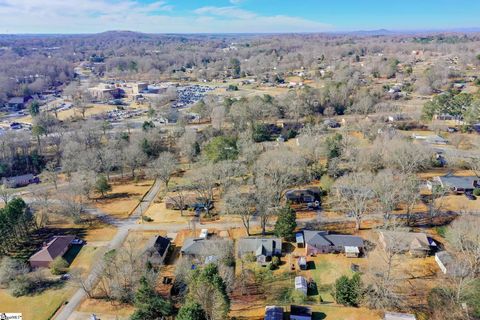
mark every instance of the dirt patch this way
{"type": "Point", "coordinates": [123, 198]}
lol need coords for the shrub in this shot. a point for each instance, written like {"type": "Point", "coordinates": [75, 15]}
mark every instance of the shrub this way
{"type": "Point", "coordinates": [147, 219]}
{"type": "Point", "coordinates": [10, 269]}
{"type": "Point", "coordinates": [476, 192]}
{"type": "Point", "coordinates": [21, 286]}
{"type": "Point", "coordinates": [59, 266]}
{"type": "Point", "coordinates": [347, 291]}
{"type": "Point", "coordinates": [276, 261]}
{"type": "Point", "coordinates": [250, 257]}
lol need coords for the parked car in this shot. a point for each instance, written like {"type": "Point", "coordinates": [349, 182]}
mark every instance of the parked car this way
{"type": "Point", "coordinates": [77, 242]}
{"type": "Point", "coordinates": [65, 276]}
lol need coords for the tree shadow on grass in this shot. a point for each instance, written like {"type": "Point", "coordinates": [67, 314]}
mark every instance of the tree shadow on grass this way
{"type": "Point", "coordinates": [318, 316]}
{"type": "Point", "coordinates": [36, 239]}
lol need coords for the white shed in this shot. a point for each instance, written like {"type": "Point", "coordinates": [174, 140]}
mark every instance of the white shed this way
{"type": "Point", "coordinates": [399, 316]}
{"type": "Point", "coordinates": [301, 284]}
{"type": "Point", "coordinates": [352, 252]}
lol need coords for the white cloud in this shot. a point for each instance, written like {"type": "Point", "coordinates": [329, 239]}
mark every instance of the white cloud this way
{"type": "Point", "coordinates": [85, 16]}
{"type": "Point", "coordinates": [236, 1]}
{"type": "Point", "coordinates": [228, 12]}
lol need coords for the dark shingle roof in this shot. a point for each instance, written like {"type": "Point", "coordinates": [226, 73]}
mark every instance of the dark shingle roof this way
{"type": "Point", "coordinates": [159, 244]}
{"type": "Point", "coordinates": [201, 246]}
{"type": "Point", "coordinates": [53, 249]}
{"type": "Point", "coordinates": [322, 238]}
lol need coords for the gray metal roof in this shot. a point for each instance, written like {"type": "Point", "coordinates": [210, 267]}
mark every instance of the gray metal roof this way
{"type": "Point", "coordinates": [201, 246]}
{"type": "Point", "coordinates": [259, 245]}
{"type": "Point", "coordinates": [457, 182]}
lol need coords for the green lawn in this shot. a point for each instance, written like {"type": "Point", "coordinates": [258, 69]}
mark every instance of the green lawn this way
{"type": "Point", "coordinates": [37, 307]}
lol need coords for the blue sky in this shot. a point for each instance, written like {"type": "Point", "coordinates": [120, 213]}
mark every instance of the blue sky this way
{"type": "Point", "coordinates": [218, 16]}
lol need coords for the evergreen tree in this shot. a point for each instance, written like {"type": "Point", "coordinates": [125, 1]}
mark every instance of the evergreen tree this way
{"type": "Point", "coordinates": [348, 291]}
{"type": "Point", "coordinates": [208, 289]}
{"type": "Point", "coordinates": [102, 186]}
{"type": "Point", "coordinates": [34, 108]}
{"type": "Point", "coordinates": [191, 311]}
{"type": "Point", "coordinates": [286, 223]}
{"type": "Point", "coordinates": [150, 305]}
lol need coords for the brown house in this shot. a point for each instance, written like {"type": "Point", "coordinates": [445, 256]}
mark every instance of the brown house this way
{"type": "Point", "coordinates": [57, 247]}
{"type": "Point", "coordinates": [416, 244]}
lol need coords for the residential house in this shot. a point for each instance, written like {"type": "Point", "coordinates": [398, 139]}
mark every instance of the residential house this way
{"type": "Point", "coordinates": [317, 242]}
{"type": "Point", "coordinates": [204, 249]}
{"type": "Point", "coordinates": [416, 244]}
{"type": "Point", "coordinates": [301, 284]}
{"type": "Point", "coordinates": [20, 181]}
{"type": "Point", "coordinates": [455, 184]}
{"type": "Point", "coordinates": [307, 195]}
{"type": "Point", "coordinates": [273, 313]}
{"type": "Point", "coordinates": [300, 313]}
{"type": "Point", "coordinates": [156, 249]}
{"type": "Point", "coordinates": [57, 247]}
{"type": "Point", "coordinates": [18, 103]}
{"type": "Point", "coordinates": [262, 248]}
{"type": "Point", "coordinates": [398, 316]}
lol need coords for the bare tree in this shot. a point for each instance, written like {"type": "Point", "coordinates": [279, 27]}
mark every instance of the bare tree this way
{"type": "Point", "coordinates": [242, 204]}
{"type": "Point", "coordinates": [406, 156]}
{"type": "Point", "coordinates": [51, 173]}
{"type": "Point", "coordinates": [163, 167]}
{"type": "Point", "coordinates": [134, 158]}
{"type": "Point", "coordinates": [6, 194]}
{"type": "Point", "coordinates": [353, 195]}
{"type": "Point", "coordinates": [274, 172]}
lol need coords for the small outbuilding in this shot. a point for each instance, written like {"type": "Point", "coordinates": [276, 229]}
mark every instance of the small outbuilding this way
{"type": "Point", "coordinates": [352, 252]}
{"type": "Point", "coordinates": [399, 316]}
{"type": "Point", "coordinates": [273, 313]}
{"type": "Point", "coordinates": [302, 263]}
{"type": "Point", "coordinates": [301, 284]}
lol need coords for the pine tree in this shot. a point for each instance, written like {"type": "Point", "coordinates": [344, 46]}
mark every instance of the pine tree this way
{"type": "Point", "coordinates": [347, 291]}
{"type": "Point", "coordinates": [102, 186]}
{"type": "Point", "coordinates": [150, 305]}
{"type": "Point", "coordinates": [286, 223]}
{"type": "Point", "coordinates": [191, 311]}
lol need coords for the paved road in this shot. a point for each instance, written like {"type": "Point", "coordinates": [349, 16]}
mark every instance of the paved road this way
{"type": "Point", "coordinates": [123, 227]}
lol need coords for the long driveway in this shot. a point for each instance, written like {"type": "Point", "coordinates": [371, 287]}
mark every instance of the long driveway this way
{"type": "Point", "coordinates": [123, 227]}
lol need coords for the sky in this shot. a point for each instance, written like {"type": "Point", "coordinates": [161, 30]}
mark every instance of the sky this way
{"type": "Point", "coordinates": [234, 16]}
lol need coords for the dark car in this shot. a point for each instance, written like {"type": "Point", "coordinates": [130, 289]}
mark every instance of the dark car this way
{"type": "Point", "coordinates": [470, 196]}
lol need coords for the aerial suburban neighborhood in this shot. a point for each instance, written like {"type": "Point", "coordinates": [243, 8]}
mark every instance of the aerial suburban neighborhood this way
{"type": "Point", "coordinates": [239, 160]}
